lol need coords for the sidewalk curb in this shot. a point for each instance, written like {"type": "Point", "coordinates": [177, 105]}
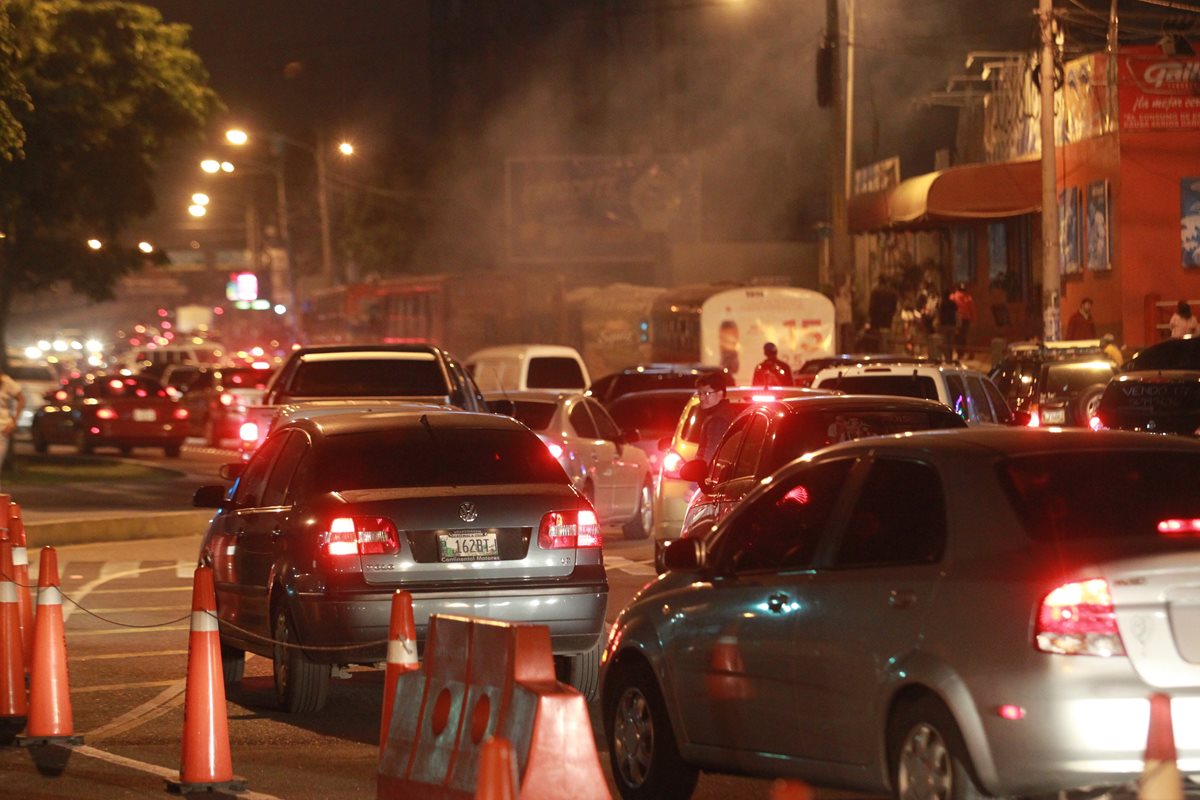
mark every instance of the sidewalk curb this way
{"type": "Point", "coordinates": [114, 527]}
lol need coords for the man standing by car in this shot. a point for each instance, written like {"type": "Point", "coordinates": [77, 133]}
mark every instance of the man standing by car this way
{"type": "Point", "coordinates": [12, 403]}
{"type": "Point", "coordinates": [771, 371]}
{"type": "Point", "coordinates": [1081, 325]}
{"type": "Point", "coordinates": [716, 413]}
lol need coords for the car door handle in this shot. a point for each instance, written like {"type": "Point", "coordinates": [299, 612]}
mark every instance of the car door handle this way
{"type": "Point", "coordinates": [777, 602]}
{"type": "Point", "coordinates": [902, 598]}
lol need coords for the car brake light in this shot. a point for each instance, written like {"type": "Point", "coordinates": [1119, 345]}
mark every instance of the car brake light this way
{"type": "Point", "coordinates": [1179, 528]}
{"type": "Point", "coordinates": [763, 398]}
{"type": "Point", "coordinates": [672, 461]}
{"type": "Point", "coordinates": [248, 432]}
{"type": "Point", "coordinates": [226, 399]}
{"type": "Point", "coordinates": [349, 536]}
{"type": "Point", "coordinates": [1078, 618]}
{"type": "Point", "coordinates": [561, 529]}
{"type": "Point", "coordinates": [1034, 420]}
{"type": "Point", "coordinates": [180, 413]}
{"type": "Point", "coordinates": [555, 449]}
{"type": "Point", "coordinates": [104, 412]}
{"type": "Point", "coordinates": [1096, 424]}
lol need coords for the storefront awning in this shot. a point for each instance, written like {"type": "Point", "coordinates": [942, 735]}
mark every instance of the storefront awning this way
{"type": "Point", "coordinates": [969, 192]}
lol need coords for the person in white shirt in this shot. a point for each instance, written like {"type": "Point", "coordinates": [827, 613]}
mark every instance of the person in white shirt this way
{"type": "Point", "coordinates": [12, 402]}
{"type": "Point", "coordinates": [1183, 321]}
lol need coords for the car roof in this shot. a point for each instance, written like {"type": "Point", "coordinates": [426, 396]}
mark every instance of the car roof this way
{"type": "Point", "coordinates": [669, 367]}
{"type": "Point", "coordinates": [863, 402]}
{"type": "Point", "coordinates": [368, 348]}
{"type": "Point", "coordinates": [650, 394]}
{"type": "Point", "coordinates": [905, 368]}
{"type": "Point", "coordinates": [537, 395]}
{"type": "Point", "coordinates": [335, 424]}
{"type": "Point", "coordinates": [524, 350]}
{"type": "Point", "coordinates": [1013, 441]}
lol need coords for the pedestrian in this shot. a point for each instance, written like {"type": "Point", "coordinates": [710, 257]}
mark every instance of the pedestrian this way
{"type": "Point", "coordinates": [12, 403]}
{"type": "Point", "coordinates": [947, 324]}
{"type": "Point", "coordinates": [881, 309]}
{"type": "Point", "coordinates": [843, 315]}
{"type": "Point", "coordinates": [715, 415]}
{"type": "Point", "coordinates": [771, 371]}
{"type": "Point", "coordinates": [1108, 343]}
{"type": "Point", "coordinates": [965, 305]}
{"type": "Point", "coordinates": [1183, 321]}
{"type": "Point", "coordinates": [1081, 325]}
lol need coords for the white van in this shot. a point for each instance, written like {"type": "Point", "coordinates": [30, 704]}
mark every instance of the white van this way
{"type": "Point", "coordinates": [517, 367]}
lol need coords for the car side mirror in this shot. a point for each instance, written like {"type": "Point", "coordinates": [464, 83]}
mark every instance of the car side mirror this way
{"type": "Point", "coordinates": [665, 443]}
{"type": "Point", "coordinates": [210, 497]}
{"type": "Point", "coordinates": [232, 472]}
{"type": "Point", "coordinates": [685, 555]}
{"type": "Point", "coordinates": [1020, 419]}
{"type": "Point", "coordinates": [695, 470]}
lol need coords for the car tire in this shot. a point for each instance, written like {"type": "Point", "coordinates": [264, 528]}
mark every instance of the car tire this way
{"type": "Point", "coordinates": [40, 445]}
{"type": "Point", "coordinates": [643, 516]}
{"type": "Point", "coordinates": [926, 755]}
{"type": "Point", "coordinates": [82, 445]}
{"type": "Point", "coordinates": [233, 664]}
{"type": "Point", "coordinates": [173, 450]}
{"type": "Point", "coordinates": [582, 671]}
{"type": "Point", "coordinates": [1088, 404]}
{"type": "Point", "coordinates": [641, 744]}
{"type": "Point", "coordinates": [300, 684]}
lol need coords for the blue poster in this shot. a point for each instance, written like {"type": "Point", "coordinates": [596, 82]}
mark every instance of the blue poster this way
{"type": "Point", "coordinates": [997, 253]}
{"type": "Point", "coordinates": [1068, 229]}
{"type": "Point", "coordinates": [1189, 220]}
{"type": "Point", "coordinates": [1098, 225]}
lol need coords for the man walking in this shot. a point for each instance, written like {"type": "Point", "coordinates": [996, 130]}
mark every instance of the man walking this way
{"type": "Point", "coordinates": [965, 304]}
{"type": "Point", "coordinates": [772, 371]}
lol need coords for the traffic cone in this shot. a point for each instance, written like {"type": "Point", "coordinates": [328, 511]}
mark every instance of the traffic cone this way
{"type": "Point", "coordinates": [20, 576]}
{"type": "Point", "coordinates": [50, 720]}
{"type": "Point", "coordinates": [5, 502]}
{"type": "Point", "coordinates": [401, 656]}
{"type": "Point", "coordinates": [206, 763]}
{"type": "Point", "coordinates": [790, 790]}
{"type": "Point", "coordinates": [497, 771]}
{"type": "Point", "coordinates": [13, 703]}
{"type": "Point", "coordinates": [1160, 779]}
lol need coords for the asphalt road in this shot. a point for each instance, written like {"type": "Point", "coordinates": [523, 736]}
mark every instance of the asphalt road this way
{"type": "Point", "coordinates": [126, 614]}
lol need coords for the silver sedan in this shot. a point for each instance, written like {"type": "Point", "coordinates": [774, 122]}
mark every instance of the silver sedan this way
{"type": "Point", "coordinates": [936, 615]}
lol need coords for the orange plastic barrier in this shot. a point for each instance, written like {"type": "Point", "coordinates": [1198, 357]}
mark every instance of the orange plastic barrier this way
{"type": "Point", "coordinates": [50, 719]}
{"type": "Point", "coordinates": [483, 679]}
{"type": "Point", "coordinates": [1161, 779]}
{"type": "Point", "coordinates": [497, 771]}
{"type": "Point", "coordinates": [20, 558]}
{"type": "Point", "coordinates": [13, 702]}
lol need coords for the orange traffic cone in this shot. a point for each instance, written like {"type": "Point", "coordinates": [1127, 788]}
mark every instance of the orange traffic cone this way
{"type": "Point", "coordinates": [13, 702]}
{"type": "Point", "coordinates": [20, 575]}
{"type": "Point", "coordinates": [5, 502]}
{"type": "Point", "coordinates": [401, 655]}
{"type": "Point", "coordinates": [790, 790]}
{"type": "Point", "coordinates": [1160, 779]}
{"type": "Point", "coordinates": [497, 771]}
{"type": "Point", "coordinates": [50, 720]}
{"type": "Point", "coordinates": [206, 763]}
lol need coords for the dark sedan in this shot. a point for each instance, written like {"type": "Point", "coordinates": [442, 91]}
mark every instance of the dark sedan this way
{"type": "Point", "coordinates": [468, 512]}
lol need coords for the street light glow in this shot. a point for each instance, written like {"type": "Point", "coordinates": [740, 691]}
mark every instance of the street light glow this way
{"type": "Point", "coordinates": [146, 247]}
{"type": "Point", "coordinates": [210, 165]}
{"type": "Point", "coordinates": [94, 244]}
{"type": "Point", "coordinates": [197, 210]}
{"type": "Point", "coordinates": [236, 136]}
{"type": "Point", "coordinates": [200, 199]}
{"type": "Point", "coordinates": [346, 149]}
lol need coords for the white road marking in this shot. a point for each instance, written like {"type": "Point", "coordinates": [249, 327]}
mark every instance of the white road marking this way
{"type": "Point", "coordinates": [152, 769]}
{"type": "Point", "coordinates": [130, 609]}
{"type": "Point", "coordinates": [113, 687]}
{"type": "Point", "coordinates": [126, 631]}
{"type": "Point", "coordinates": [185, 568]}
{"type": "Point", "coordinates": [77, 595]}
{"type": "Point", "coordinates": [628, 566]}
{"type": "Point", "coordinates": [123, 656]}
{"type": "Point", "coordinates": [170, 697]}
{"type": "Point", "coordinates": [143, 590]}
{"type": "Point", "coordinates": [112, 569]}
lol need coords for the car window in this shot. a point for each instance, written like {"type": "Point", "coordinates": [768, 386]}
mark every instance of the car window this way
{"type": "Point", "coordinates": [721, 468]}
{"type": "Point", "coordinates": [249, 490]}
{"type": "Point", "coordinates": [899, 517]}
{"type": "Point", "coordinates": [132, 387]}
{"type": "Point", "coordinates": [1069, 380]}
{"type": "Point", "coordinates": [653, 416]}
{"type": "Point", "coordinates": [368, 377]}
{"type": "Point", "coordinates": [1171, 354]}
{"type": "Point", "coordinates": [913, 385]}
{"type": "Point", "coordinates": [582, 422]}
{"type": "Point", "coordinates": [956, 398]}
{"type": "Point", "coordinates": [812, 430]}
{"type": "Point", "coordinates": [999, 407]}
{"type": "Point", "coordinates": [535, 414]}
{"type": "Point", "coordinates": [977, 397]}
{"type": "Point", "coordinates": [602, 388]}
{"type": "Point", "coordinates": [605, 426]}
{"type": "Point", "coordinates": [554, 372]}
{"type": "Point", "coordinates": [285, 466]}
{"type": "Point", "coordinates": [752, 447]}
{"type": "Point", "coordinates": [782, 528]}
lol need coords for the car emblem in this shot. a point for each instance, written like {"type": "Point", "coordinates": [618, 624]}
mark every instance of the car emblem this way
{"type": "Point", "coordinates": [468, 512]}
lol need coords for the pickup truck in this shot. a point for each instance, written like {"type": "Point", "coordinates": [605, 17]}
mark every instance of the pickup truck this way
{"type": "Point", "coordinates": [339, 377]}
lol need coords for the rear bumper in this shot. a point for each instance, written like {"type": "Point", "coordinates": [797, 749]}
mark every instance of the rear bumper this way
{"type": "Point", "coordinates": [575, 616]}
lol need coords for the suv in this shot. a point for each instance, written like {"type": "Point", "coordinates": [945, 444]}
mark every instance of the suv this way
{"type": "Point", "coordinates": [216, 398]}
{"type": "Point", "coordinates": [1158, 392]}
{"type": "Point", "coordinates": [971, 394]}
{"type": "Point", "coordinates": [1057, 383]}
{"type": "Point", "coordinates": [646, 377]}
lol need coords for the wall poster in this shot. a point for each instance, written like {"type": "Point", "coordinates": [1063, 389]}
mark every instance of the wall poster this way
{"type": "Point", "coordinates": [1189, 220]}
{"type": "Point", "coordinates": [963, 252]}
{"type": "Point", "coordinates": [1068, 229]}
{"type": "Point", "coordinates": [1099, 238]}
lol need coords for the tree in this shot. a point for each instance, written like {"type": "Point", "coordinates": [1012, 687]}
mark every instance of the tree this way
{"type": "Point", "coordinates": [12, 92]}
{"type": "Point", "coordinates": [110, 85]}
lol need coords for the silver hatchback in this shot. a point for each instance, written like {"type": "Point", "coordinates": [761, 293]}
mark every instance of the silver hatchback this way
{"type": "Point", "coordinates": [935, 615]}
{"type": "Point", "coordinates": [333, 514]}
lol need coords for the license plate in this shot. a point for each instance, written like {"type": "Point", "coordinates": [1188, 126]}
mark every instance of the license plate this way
{"type": "Point", "coordinates": [143, 415]}
{"type": "Point", "coordinates": [1054, 416]}
{"type": "Point", "coordinates": [468, 546]}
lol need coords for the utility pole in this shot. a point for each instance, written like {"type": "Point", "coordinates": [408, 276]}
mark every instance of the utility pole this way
{"type": "Point", "coordinates": [841, 139]}
{"type": "Point", "coordinates": [323, 210]}
{"type": "Point", "coordinates": [1051, 282]}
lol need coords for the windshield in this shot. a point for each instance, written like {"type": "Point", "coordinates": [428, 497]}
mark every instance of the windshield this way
{"type": "Point", "coordinates": [652, 417]}
{"type": "Point", "coordinates": [365, 377]}
{"type": "Point", "coordinates": [919, 386]}
{"type": "Point", "coordinates": [534, 413]}
{"type": "Point", "coordinates": [1071, 379]}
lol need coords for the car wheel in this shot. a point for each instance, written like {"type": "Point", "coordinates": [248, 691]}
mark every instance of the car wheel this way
{"type": "Point", "coordinates": [40, 445]}
{"type": "Point", "coordinates": [1089, 403]}
{"type": "Point", "coordinates": [300, 684]}
{"type": "Point", "coordinates": [641, 745]}
{"type": "Point", "coordinates": [82, 445]}
{"type": "Point", "coordinates": [927, 756]}
{"type": "Point", "coordinates": [233, 663]}
{"type": "Point", "coordinates": [173, 450]}
{"type": "Point", "coordinates": [582, 671]}
{"type": "Point", "coordinates": [643, 519]}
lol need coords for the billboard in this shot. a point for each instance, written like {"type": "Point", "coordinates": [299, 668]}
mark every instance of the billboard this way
{"type": "Point", "coordinates": [1159, 92]}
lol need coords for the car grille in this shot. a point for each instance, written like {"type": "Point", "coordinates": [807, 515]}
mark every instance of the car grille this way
{"type": "Point", "coordinates": [512, 543]}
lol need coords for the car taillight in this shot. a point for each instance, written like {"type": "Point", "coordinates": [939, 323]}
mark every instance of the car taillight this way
{"type": "Point", "coordinates": [1034, 420]}
{"type": "Point", "coordinates": [226, 399]}
{"type": "Point", "coordinates": [1079, 619]}
{"type": "Point", "coordinates": [104, 412]}
{"type": "Point", "coordinates": [180, 413]}
{"type": "Point", "coordinates": [555, 449]}
{"type": "Point", "coordinates": [672, 461]}
{"type": "Point", "coordinates": [1179, 528]}
{"type": "Point", "coordinates": [763, 398]}
{"type": "Point", "coordinates": [349, 536]}
{"type": "Point", "coordinates": [248, 433]}
{"type": "Point", "coordinates": [569, 529]}
{"type": "Point", "coordinates": [1096, 424]}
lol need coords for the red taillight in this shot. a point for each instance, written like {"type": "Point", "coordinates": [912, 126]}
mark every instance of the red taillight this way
{"type": "Point", "coordinates": [226, 399]}
{"type": "Point", "coordinates": [672, 461]}
{"type": "Point", "coordinates": [248, 432]}
{"type": "Point", "coordinates": [104, 412]}
{"type": "Point", "coordinates": [1034, 420]}
{"type": "Point", "coordinates": [1078, 618]}
{"type": "Point", "coordinates": [555, 449]}
{"type": "Point", "coordinates": [569, 529]}
{"type": "Point", "coordinates": [180, 413]}
{"type": "Point", "coordinates": [1179, 528]}
{"type": "Point", "coordinates": [349, 536]}
{"type": "Point", "coordinates": [1096, 424]}
{"type": "Point", "coordinates": [763, 398]}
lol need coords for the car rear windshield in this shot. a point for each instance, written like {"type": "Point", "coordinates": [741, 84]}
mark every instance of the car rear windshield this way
{"type": "Point", "coordinates": [1095, 494]}
{"type": "Point", "coordinates": [245, 378]}
{"type": "Point", "coordinates": [1072, 379]}
{"type": "Point", "coordinates": [814, 430]}
{"type": "Point", "coordinates": [126, 387]}
{"type": "Point", "coordinates": [1171, 354]}
{"type": "Point", "coordinates": [533, 413]}
{"type": "Point", "coordinates": [554, 372]}
{"type": "Point", "coordinates": [920, 386]}
{"type": "Point", "coordinates": [652, 417]}
{"type": "Point", "coordinates": [407, 457]}
{"type": "Point", "coordinates": [365, 377]}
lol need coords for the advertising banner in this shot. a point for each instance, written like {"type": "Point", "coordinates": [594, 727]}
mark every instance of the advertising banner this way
{"type": "Point", "coordinates": [1159, 93]}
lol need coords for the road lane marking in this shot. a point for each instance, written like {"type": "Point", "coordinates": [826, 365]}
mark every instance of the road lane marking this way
{"type": "Point", "coordinates": [130, 609]}
{"type": "Point", "coordinates": [112, 687]}
{"type": "Point", "coordinates": [125, 631]}
{"type": "Point", "coordinates": [77, 595]}
{"type": "Point", "coordinates": [144, 589]}
{"type": "Point", "coordinates": [115, 656]}
{"type": "Point", "coordinates": [170, 697]}
{"type": "Point", "coordinates": [185, 568]}
{"type": "Point", "coordinates": [152, 769]}
{"type": "Point", "coordinates": [628, 566]}
{"type": "Point", "coordinates": [111, 569]}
